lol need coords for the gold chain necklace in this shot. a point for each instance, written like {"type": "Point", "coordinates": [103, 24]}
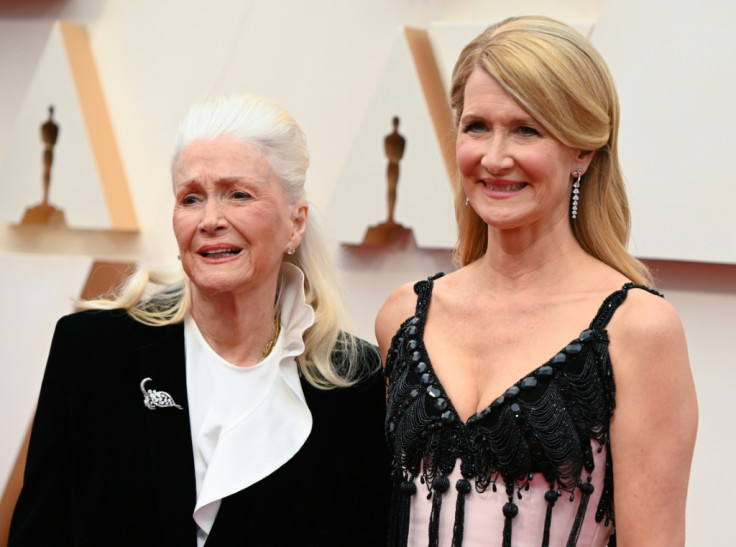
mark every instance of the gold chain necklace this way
{"type": "Point", "coordinates": [274, 336]}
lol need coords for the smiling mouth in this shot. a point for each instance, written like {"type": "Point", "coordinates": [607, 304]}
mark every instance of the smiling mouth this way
{"type": "Point", "coordinates": [220, 253]}
{"type": "Point", "coordinates": [505, 188]}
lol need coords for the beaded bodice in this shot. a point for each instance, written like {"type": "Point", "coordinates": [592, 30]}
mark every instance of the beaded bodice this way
{"type": "Point", "coordinates": [546, 427]}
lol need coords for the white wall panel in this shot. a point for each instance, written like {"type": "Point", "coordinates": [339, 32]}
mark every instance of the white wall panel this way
{"type": "Point", "coordinates": [674, 67]}
{"type": "Point", "coordinates": [35, 292]}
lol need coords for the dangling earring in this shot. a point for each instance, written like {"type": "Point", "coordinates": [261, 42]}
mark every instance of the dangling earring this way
{"type": "Point", "coordinates": [290, 250]}
{"type": "Point", "coordinates": [578, 173]}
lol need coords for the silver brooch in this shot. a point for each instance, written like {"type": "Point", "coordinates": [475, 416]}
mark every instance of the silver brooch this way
{"type": "Point", "coordinates": [153, 398]}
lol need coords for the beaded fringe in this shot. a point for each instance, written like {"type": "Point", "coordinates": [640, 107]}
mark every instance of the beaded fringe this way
{"type": "Point", "coordinates": [463, 487]}
{"type": "Point", "coordinates": [587, 489]}
{"type": "Point", "coordinates": [440, 485]}
{"type": "Point", "coordinates": [401, 500]}
{"type": "Point", "coordinates": [510, 510]}
{"type": "Point", "coordinates": [399, 520]}
{"type": "Point", "coordinates": [551, 497]}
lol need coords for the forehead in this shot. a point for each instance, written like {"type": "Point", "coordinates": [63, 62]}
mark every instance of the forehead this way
{"type": "Point", "coordinates": [221, 158]}
{"type": "Point", "coordinates": [482, 91]}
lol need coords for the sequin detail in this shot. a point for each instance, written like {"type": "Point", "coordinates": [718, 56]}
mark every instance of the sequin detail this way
{"type": "Point", "coordinates": [543, 424]}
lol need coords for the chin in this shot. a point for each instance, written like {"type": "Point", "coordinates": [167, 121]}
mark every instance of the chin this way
{"type": "Point", "coordinates": [216, 287]}
{"type": "Point", "coordinates": [503, 222]}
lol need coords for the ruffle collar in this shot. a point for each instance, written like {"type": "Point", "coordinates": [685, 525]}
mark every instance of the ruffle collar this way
{"type": "Point", "coordinates": [271, 419]}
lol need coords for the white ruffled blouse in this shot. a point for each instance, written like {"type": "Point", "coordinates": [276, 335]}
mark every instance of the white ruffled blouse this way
{"type": "Point", "coordinates": [246, 422]}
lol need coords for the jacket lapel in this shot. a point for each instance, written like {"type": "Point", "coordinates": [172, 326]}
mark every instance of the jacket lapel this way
{"type": "Point", "coordinates": [169, 438]}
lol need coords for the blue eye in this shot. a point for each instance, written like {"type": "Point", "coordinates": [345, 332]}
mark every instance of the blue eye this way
{"type": "Point", "coordinates": [528, 131]}
{"type": "Point", "coordinates": [474, 127]}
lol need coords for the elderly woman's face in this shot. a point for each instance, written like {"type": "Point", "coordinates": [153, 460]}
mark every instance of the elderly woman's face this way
{"type": "Point", "coordinates": [232, 220]}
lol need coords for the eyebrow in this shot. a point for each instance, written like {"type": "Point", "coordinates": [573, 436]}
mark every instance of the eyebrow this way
{"type": "Point", "coordinates": [516, 120]}
{"type": "Point", "coordinates": [222, 181]}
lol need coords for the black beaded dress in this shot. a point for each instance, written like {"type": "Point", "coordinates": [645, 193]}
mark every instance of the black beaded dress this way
{"type": "Point", "coordinates": [534, 468]}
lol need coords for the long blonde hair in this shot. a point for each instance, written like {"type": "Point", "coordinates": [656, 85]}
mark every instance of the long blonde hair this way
{"type": "Point", "coordinates": [563, 82]}
{"type": "Point", "coordinates": [160, 298]}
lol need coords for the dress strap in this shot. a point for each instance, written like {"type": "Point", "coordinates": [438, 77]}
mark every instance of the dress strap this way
{"type": "Point", "coordinates": [423, 289]}
{"type": "Point", "coordinates": [613, 301]}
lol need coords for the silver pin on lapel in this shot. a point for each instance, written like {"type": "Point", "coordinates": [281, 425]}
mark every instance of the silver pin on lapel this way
{"type": "Point", "coordinates": [153, 398]}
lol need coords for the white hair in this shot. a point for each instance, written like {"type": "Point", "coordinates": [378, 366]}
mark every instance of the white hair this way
{"type": "Point", "coordinates": [331, 358]}
{"type": "Point", "coordinates": [257, 121]}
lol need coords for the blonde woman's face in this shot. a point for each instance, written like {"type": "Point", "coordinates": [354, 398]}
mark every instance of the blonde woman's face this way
{"type": "Point", "coordinates": [513, 171]}
{"type": "Point", "coordinates": [232, 220]}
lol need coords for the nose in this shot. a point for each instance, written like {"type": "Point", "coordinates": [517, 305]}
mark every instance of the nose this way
{"type": "Point", "coordinates": [213, 217]}
{"type": "Point", "coordinates": [496, 157]}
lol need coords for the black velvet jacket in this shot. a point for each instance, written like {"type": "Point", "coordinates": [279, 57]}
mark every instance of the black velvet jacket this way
{"type": "Point", "coordinates": [104, 469]}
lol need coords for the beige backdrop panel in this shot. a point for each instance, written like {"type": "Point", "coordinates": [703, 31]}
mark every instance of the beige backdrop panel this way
{"type": "Point", "coordinates": [674, 67]}
{"type": "Point", "coordinates": [35, 291]}
{"type": "Point", "coordinates": [75, 185]}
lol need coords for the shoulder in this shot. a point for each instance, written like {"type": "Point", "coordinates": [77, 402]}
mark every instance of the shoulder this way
{"type": "Point", "coordinates": [357, 359]}
{"type": "Point", "coordinates": [351, 353]}
{"type": "Point", "coordinates": [646, 318]}
{"type": "Point", "coordinates": [648, 346]}
{"type": "Point", "coordinates": [100, 326]}
{"type": "Point", "coordinates": [82, 340]}
{"type": "Point", "coordinates": [371, 386]}
{"type": "Point", "coordinates": [94, 320]}
{"type": "Point", "coordinates": [399, 305]}
{"type": "Point", "coordinates": [367, 352]}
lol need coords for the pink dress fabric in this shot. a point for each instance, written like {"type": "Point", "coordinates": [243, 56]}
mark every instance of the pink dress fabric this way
{"type": "Point", "coordinates": [550, 427]}
{"type": "Point", "coordinates": [484, 514]}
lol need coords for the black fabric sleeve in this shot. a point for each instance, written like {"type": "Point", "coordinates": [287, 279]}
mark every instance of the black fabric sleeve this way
{"type": "Point", "coordinates": [42, 513]}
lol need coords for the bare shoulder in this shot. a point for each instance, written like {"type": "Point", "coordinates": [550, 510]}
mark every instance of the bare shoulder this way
{"type": "Point", "coordinates": [647, 339]}
{"type": "Point", "coordinates": [398, 307]}
{"type": "Point", "coordinates": [651, 367]}
{"type": "Point", "coordinates": [647, 319]}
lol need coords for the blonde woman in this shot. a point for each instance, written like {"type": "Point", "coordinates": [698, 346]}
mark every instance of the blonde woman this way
{"type": "Point", "coordinates": [541, 394]}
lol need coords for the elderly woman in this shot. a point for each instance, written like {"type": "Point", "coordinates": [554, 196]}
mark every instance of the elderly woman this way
{"type": "Point", "coordinates": [545, 371]}
{"type": "Point", "coordinates": [226, 406]}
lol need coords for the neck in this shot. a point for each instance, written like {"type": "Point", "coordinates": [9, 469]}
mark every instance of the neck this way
{"type": "Point", "coordinates": [527, 259]}
{"type": "Point", "coordinates": [238, 329]}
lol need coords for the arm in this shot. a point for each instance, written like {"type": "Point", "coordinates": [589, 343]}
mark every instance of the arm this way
{"type": "Point", "coordinates": [42, 513]}
{"type": "Point", "coordinates": [654, 424]}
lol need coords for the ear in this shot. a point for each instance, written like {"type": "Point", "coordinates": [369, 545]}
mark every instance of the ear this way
{"type": "Point", "coordinates": [299, 215]}
{"type": "Point", "coordinates": [583, 159]}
